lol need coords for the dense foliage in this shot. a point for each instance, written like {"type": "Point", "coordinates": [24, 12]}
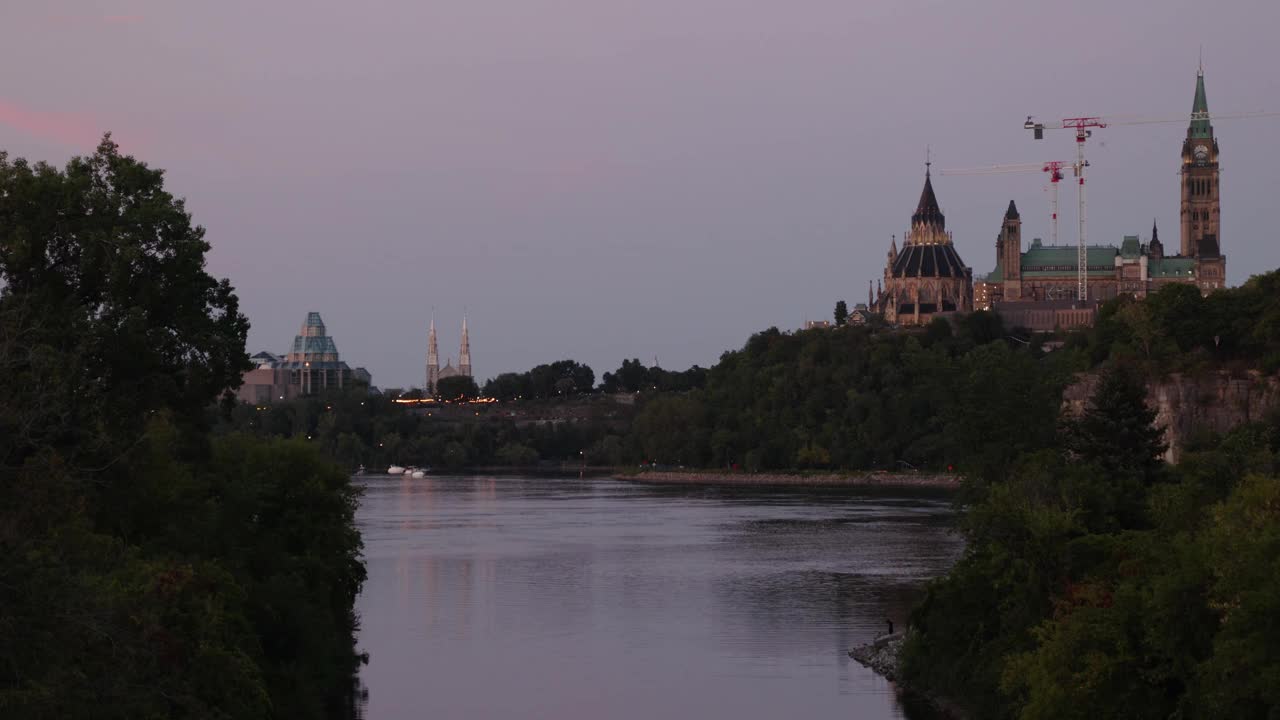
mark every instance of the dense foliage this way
{"type": "Point", "coordinates": [633, 377]}
{"type": "Point", "coordinates": [1099, 582]}
{"type": "Point", "coordinates": [356, 428]}
{"type": "Point", "coordinates": [858, 397]}
{"type": "Point", "coordinates": [147, 570]}
{"type": "Point", "coordinates": [563, 377]}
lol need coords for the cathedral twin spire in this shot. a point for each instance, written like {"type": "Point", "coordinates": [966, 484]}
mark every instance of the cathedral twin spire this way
{"type": "Point", "coordinates": [433, 356]}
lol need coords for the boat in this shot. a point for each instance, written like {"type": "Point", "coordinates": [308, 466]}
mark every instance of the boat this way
{"type": "Point", "coordinates": [395, 470]}
{"type": "Point", "coordinates": [360, 470]}
{"type": "Point", "coordinates": [418, 474]}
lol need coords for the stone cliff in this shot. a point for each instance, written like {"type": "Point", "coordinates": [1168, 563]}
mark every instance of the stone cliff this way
{"type": "Point", "coordinates": [1185, 406]}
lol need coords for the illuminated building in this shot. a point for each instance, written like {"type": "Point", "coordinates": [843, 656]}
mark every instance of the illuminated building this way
{"type": "Point", "coordinates": [311, 366]}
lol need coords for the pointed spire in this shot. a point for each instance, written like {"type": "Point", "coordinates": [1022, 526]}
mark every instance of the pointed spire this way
{"type": "Point", "coordinates": [928, 211]}
{"type": "Point", "coordinates": [1200, 127]}
{"type": "Point", "coordinates": [1155, 234]}
{"type": "Point", "coordinates": [1012, 212]}
{"type": "Point", "coordinates": [464, 355]}
{"type": "Point", "coordinates": [893, 247]}
{"type": "Point", "coordinates": [871, 296]}
{"type": "Point", "coordinates": [433, 356]}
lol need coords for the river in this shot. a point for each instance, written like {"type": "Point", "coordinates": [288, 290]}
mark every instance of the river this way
{"type": "Point", "coordinates": [519, 597]}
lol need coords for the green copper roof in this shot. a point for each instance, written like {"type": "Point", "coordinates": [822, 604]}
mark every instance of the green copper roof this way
{"type": "Point", "coordinates": [1171, 267]}
{"type": "Point", "coordinates": [996, 275]}
{"type": "Point", "coordinates": [1131, 247]}
{"type": "Point", "coordinates": [1054, 260]}
{"type": "Point", "coordinates": [1200, 127]}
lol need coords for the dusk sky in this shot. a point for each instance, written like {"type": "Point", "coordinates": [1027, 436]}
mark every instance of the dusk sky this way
{"type": "Point", "coordinates": [599, 180]}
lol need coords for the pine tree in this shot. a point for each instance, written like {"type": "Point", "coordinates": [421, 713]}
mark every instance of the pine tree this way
{"type": "Point", "coordinates": [1117, 430]}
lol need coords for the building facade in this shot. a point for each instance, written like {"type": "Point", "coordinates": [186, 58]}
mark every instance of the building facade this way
{"type": "Point", "coordinates": [435, 373]}
{"type": "Point", "coordinates": [927, 277]}
{"type": "Point", "coordinates": [311, 366]}
{"type": "Point", "coordinates": [1044, 273]}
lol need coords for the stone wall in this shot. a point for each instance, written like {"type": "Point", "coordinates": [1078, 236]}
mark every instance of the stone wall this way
{"type": "Point", "coordinates": [1213, 402]}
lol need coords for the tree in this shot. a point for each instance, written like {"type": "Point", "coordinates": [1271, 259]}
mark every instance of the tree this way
{"type": "Point", "coordinates": [146, 572]}
{"type": "Point", "coordinates": [1117, 429]}
{"type": "Point", "coordinates": [456, 387]}
{"type": "Point", "coordinates": [110, 269]}
{"type": "Point", "coordinates": [842, 313]}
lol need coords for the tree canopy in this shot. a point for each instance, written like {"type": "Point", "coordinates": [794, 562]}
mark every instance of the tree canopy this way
{"type": "Point", "coordinates": [147, 569]}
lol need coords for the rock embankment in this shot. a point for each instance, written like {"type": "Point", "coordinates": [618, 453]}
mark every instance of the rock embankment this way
{"type": "Point", "coordinates": [1186, 405]}
{"type": "Point", "coordinates": [874, 479]}
{"type": "Point", "coordinates": [881, 655]}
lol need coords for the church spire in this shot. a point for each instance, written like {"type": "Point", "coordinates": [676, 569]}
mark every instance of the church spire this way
{"type": "Point", "coordinates": [464, 355]}
{"type": "Point", "coordinates": [433, 357]}
{"type": "Point", "coordinates": [1012, 212]}
{"type": "Point", "coordinates": [1200, 127]}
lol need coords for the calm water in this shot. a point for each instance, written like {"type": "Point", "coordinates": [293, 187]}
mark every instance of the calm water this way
{"type": "Point", "coordinates": [568, 598]}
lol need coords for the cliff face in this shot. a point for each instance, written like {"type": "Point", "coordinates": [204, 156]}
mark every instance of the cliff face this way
{"type": "Point", "coordinates": [1185, 406]}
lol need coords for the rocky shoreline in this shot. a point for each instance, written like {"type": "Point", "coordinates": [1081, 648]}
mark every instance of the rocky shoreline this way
{"type": "Point", "coordinates": [873, 479]}
{"type": "Point", "coordinates": [881, 655]}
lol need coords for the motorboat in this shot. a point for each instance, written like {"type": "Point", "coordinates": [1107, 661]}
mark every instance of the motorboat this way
{"type": "Point", "coordinates": [418, 474]}
{"type": "Point", "coordinates": [395, 470]}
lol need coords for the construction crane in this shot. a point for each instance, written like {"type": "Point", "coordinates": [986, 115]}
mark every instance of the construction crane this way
{"type": "Point", "coordinates": [1055, 169]}
{"type": "Point", "coordinates": [1084, 127]}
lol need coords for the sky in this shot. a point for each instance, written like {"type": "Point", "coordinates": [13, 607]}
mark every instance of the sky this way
{"type": "Point", "coordinates": [608, 179]}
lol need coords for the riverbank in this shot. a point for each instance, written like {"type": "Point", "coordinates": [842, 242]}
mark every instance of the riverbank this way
{"type": "Point", "coordinates": [947, 481]}
{"type": "Point", "coordinates": [883, 655]}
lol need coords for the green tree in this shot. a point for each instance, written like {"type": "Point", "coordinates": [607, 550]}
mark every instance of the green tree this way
{"type": "Point", "coordinates": [841, 313]}
{"type": "Point", "coordinates": [140, 576]}
{"type": "Point", "coordinates": [1117, 433]}
{"type": "Point", "coordinates": [458, 386]}
{"type": "Point", "coordinates": [109, 269]}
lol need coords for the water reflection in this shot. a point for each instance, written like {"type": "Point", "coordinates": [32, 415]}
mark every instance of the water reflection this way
{"type": "Point", "coordinates": [523, 597]}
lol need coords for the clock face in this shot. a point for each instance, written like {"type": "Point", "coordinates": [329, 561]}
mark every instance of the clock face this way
{"type": "Point", "coordinates": [1202, 153]}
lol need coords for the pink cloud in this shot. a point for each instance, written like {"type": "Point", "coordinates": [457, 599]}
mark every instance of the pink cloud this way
{"type": "Point", "coordinates": [74, 129]}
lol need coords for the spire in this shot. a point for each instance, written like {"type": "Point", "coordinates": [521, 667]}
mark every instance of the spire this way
{"type": "Point", "coordinates": [1155, 234]}
{"type": "Point", "coordinates": [871, 296]}
{"type": "Point", "coordinates": [893, 248]}
{"type": "Point", "coordinates": [928, 211]}
{"type": "Point", "coordinates": [1012, 212]}
{"type": "Point", "coordinates": [433, 357]}
{"type": "Point", "coordinates": [1200, 127]}
{"type": "Point", "coordinates": [464, 354]}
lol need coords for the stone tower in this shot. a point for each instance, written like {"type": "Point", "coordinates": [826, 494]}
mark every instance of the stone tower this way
{"type": "Point", "coordinates": [1009, 250]}
{"type": "Point", "coordinates": [1200, 181]}
{"type": "Point", "coordinates": [433, 358]}
{"type": "Point", "coordinates": [464, 354]}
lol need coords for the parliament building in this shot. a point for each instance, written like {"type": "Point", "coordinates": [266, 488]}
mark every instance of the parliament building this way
{"type": "Point", "coordinates": [1042, 273]}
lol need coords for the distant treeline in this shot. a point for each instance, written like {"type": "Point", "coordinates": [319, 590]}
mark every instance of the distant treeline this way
{"type": "Point", "coordinates": [565, 378]}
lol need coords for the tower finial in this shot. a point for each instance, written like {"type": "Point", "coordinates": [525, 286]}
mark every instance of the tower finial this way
{"type": "Point", "coordinates": [928, 158]}
{"type": "Point", "coordinates": [1200, 71]}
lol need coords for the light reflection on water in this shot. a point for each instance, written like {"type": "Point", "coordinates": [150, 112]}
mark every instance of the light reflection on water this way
{"type": "Point", "coordinates": [590, 598]}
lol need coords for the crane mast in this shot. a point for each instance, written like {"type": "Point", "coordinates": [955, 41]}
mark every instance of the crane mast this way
{"type": "Point", "coordinates": [1082, 126]}
{"type": "Point", "coordinates": [1053, 167]}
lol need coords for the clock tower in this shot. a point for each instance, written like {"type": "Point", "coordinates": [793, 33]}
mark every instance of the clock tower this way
{"type": "Point", "coordinates": [1200, 181]}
